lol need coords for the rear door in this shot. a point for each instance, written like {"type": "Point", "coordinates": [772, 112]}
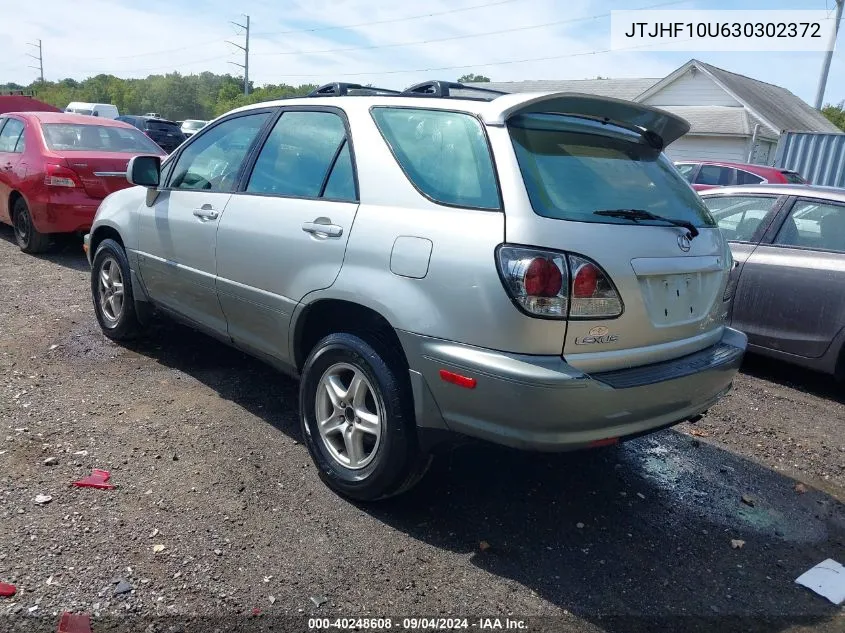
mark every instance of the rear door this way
{"type": "Point", "coordinates": [743, 220]}
{"type": "Point", "coordinates": [671, 287]}
{"type": "Point", "coordinates": [284, 233]}
{"type": "Point", "coordinates": [791, 294]}
{"type": "Point", "coordinates": [178, 233]}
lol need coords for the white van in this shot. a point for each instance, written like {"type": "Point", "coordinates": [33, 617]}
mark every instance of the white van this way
{"type": "Point", "coordinates": [104, 110]}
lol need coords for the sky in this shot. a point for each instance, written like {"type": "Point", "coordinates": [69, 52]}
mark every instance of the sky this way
{"type": "Point", "coordinates": [386, 43]}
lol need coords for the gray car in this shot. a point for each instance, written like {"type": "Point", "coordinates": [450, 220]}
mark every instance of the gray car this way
{"type": "Point", "coordinates": [528, 269]}
{"type": "Point", "coordinates": [788, 242]}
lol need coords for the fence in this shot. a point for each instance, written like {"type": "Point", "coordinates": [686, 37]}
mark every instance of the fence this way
{"type": "Point", "coordinates": [820, 158]}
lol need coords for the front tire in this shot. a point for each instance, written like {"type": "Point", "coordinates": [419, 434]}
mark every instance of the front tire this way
{"type": "Point", "coordinates": [29, 239]}
{"type": "Point", "coordinates": [111, 290]}
{"type": "Point", "coordinates": [357, 415]}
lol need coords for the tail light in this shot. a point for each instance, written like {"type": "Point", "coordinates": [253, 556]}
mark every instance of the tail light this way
{"type": "Point", "coordinates": [593, 296]}
{"type": "Point", "coordinates": [58, 176]}
{"type": "Point", "coordinates": [539, 283]}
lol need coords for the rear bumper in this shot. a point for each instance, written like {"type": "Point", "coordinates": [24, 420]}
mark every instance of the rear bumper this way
{"type": "Point", "coordinates": [542, 403]}
{"type": "Point", "coordinates": [69, 217]}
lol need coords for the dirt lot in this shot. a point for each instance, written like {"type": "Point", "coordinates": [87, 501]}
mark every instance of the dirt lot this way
{"type": "Point", "coordinates": [203, 445]}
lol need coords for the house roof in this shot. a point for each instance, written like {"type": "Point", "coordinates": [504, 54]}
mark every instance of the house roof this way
{"type": "Point", "coordinates": [775, 107]}
{"type": "Point", "coordinates": [728, 120]}
{"type": "Point", "coordinates": [620, 88]}
{"type": "Point", "coordinates": [20, 103]}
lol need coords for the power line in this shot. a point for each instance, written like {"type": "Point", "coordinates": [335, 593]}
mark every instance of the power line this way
{"type": "Point", "coordinates": [458, 37]}
{"type": "Point", "coordinates": [486, 65]}
{"type": "Point", "coordinates": [152, 53]}
{"type": "Point", "coordinates": [245, 49]}
{"type": "Point", "coordinates": [389, 21]}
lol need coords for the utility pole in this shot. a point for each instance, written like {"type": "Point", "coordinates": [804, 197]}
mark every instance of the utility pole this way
{"type": "Point", "coordinates": [828, 56]}
{"type": "Point", "coordinates": [245, 49]}
{"type": "Point", "coordinates": [40, 58]}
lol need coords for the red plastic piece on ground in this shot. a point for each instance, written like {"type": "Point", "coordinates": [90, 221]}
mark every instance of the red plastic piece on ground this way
{"type": "Point", "coordinates": [256, 611]}
{"type": "Point", "coordinates": [97, 479]}
{"type": "Point", "coordinates": [7, 590]}
{"type": "Point", "coordinates": [74, 623]}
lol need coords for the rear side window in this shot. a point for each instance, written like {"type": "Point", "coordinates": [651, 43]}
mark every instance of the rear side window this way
{"type": "Point", "coordinates": [11, 136]}
{"type": "Point", "coordinates": [747, 178]}
{"type": "Point", "coordinates": [444, 154]}
{"type": "Point", "coordinates": [715, 175]}
{"type": "Point", "coordinates": [687, 170]}
{"type": "Point", "coordinates": [740, 217]}
{"type": "Point", "coordinates": [573, 168]}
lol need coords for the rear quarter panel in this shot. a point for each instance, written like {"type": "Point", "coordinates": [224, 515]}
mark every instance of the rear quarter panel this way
{"type": "Point", "coordinates": [460, 297]}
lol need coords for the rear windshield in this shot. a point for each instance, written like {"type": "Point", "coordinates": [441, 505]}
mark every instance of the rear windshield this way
{"type": "Point", "coordinates": [574, 167]}
{"type": "Point", "coordinates": [193, 125]}
{"type": "Point", "coordinates": [161, 126]}
{"type": "Point", "coordinates": [793, 178]}
{"type": "Point", "coordinates": [79, 111]}
{"type": "Point", "coordinates": [77, 137]}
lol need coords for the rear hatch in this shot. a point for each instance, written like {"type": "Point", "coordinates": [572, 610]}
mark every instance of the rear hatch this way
{"type": "Point", "coordinates": [97, 155]}
{"type": "Point", "coordinates": [165, 133]}
{"type": "Point", "coordinates": [641, 289]}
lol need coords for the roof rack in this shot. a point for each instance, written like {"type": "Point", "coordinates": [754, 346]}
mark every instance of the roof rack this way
{"type": "Point", "coordinates": [439, 88]}
{"type": "Point", "coordinates": [339, 89]}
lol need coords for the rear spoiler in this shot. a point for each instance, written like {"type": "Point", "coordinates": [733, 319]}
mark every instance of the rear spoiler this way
{"type": "Point", "coordinates": [659, 127]}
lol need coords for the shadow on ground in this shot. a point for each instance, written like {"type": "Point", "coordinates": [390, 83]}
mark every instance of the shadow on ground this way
{"type": "Point", "coordinates": [816, 383]}
{"type": "Point", "coordinates": [66, 250]}
{"type": "Point", "coordinates": [633, 538]}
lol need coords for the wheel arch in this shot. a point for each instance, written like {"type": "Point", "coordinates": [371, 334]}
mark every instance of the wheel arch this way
{"type": "Point", "coordinates": [328, 315]}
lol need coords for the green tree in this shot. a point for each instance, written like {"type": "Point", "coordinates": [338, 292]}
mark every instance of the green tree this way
{"type": "Point", "coordinates": [836, 114]}
{"type": "Point", "coordinates": [471, 78]}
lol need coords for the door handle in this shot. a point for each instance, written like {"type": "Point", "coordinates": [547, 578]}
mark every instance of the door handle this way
{"type": "Point", "coordinates": [206, 213]}
{"type": "Point", "coordinates": [322, 229]}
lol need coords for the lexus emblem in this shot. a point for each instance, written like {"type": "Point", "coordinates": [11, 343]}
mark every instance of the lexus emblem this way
{"type": "Point", "coordinates": [684, 243]}
{"type": "Point", "coordinates": [599, 331]}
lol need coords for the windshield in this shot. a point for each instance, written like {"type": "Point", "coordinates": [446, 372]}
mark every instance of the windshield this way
{"type": "Point", "coordinates": [574, 167]}
{"type": "Point", "coordinates": [161, 126]}
{"type": "Point", "coordinates": [193, 125]}
{"type": "Point", "coordinates": [75, 137]}
{"type": "Point", "coordinates": [80, 111]}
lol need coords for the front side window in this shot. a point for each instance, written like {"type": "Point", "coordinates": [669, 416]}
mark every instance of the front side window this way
{"type": "Point", "coordinates": [11, 136]}
{"type": "Point", "coordinates": [73, 137]}
{"type": "Point", "coordinates": [573, 168]}
{"type": "Point", "coordinates": [444, 154]}
{"type": "Point", "coordinates": [212, 161]}
{"type": "Point", "coordinates": [814, 225]}
{"type": "Point", "coordinates": [298, 155]}
{"type": "Point", "coordinates": [739, 217]}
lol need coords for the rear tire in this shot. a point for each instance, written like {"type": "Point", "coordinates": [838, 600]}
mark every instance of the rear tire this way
{"type": "Point", "coordinates": [373, 455]}
{"type": "Point", "coordinates": [111, 291]}
{"type": "Point", "coordinates": [29, 239]}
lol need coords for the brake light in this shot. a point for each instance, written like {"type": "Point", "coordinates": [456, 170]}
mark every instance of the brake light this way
{"type": "Point", "coordinates": [538, 282]}
{"type": "Point", "coordinates": [593, 296]}
{"type": "Point", "coordinates": [59, 176]}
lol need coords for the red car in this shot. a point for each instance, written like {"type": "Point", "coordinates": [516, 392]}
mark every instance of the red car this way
{"type": "Point", "coordinates": [56, 168]}
{"type": "Point", "coordinates": [707, 175]}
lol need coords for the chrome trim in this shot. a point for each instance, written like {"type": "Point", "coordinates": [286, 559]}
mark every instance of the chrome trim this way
{"type": "Point", "coordinates": [110, 174]}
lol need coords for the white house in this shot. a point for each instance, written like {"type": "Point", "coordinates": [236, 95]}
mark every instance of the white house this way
{"type": "Point", "coordinates": [732, 117]}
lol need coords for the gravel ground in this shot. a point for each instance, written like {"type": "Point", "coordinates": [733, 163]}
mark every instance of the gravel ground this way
{"type": "Point", "coordinates": [219, 521]}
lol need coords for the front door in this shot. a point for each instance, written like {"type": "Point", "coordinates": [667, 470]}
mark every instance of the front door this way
{"type": "Point", "coordinates": [177, 234]}
{"type": "Point", "coordinates": [11, 150]}
{"type": "Point", "coordinates": [285, 234]}
{"type": "Point", "coordinates": [790, 295]}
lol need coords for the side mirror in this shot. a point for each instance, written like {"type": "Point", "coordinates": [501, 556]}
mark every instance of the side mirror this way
{"type": "Point", "coordinates": [144, 171]}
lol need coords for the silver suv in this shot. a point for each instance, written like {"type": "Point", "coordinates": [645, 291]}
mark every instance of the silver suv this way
{"type": "Point", "coordinates": [528, 269]}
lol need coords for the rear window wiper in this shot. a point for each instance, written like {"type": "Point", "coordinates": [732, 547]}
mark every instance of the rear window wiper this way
{"type": "Point", "coordinates": [642, 214]}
